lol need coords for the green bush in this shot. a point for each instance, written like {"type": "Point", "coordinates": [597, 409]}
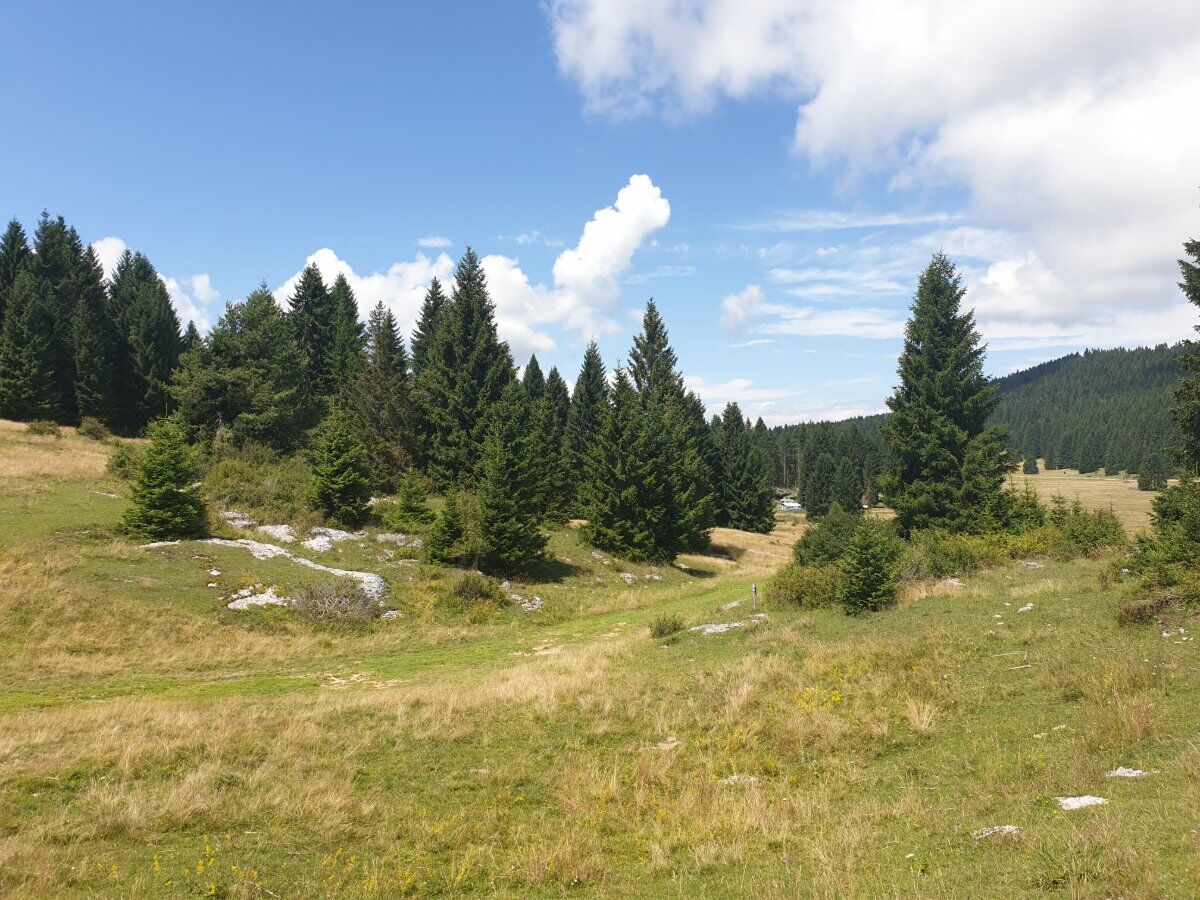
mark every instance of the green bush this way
{"type": "Point", "coordinates": [666, 625]}
{"type": "Point", "coordinates": [44, 428]}
{"type": "Point", "coordinates": [811, 587]}
{"type": "Point", "coordinates": [93, 428]}
{"type": "Point", "coordinates": [125, 459]}
{"type": "Point", "coordinates": [475, 595]}
{"type": "Point", "coordinates": [1171, 553]}
{"type": "Point", "coordinates": [164, 504]}
{"type": "Point", "coordinates": [409, 511]}
{"type": "Point", "coordinates": [257, 480]}
{"type": "Point", "coordinates": [870, 570]}
{"type": "Point", "coordinates": [341, 473]}
{"type": "Point", "coordinates": [1094, 529]}
{"type": "Point", "coordinates": [825, 543]}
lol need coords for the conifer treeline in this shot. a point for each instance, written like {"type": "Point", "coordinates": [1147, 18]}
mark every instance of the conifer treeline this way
{"type": "Point", "coordinates": [72, 345]}
{"type": "Point", "coordinates": [636, 458]}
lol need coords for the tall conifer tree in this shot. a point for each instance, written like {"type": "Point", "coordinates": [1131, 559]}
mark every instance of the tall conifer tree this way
{"type": "Point", "coordinates": [1187, 395]}
{"type": "Point", "coordinates": [56, 259]}
{"type": "Point", "coordinates": [748, 496]}
{"type": "Point", "coordinates": [533, 380]}
{"type": "Point", "coordinates": [558, 485]}
{"type": "Point", "coordinates": [344, 358]}
{"type": "Point", "coordinates": [154, 346]}
{"type": "Point", "coordinates": [313, 320]}
{"type": "Point", "coordinates": [28, 388]}
{"type": "Point", "coordinates": [379, 401]}
{"type": "Point", "coordinates": [97, 346]}
{"type": "Point", "coordinates": [944, 465]}
{"type": "Point", "coordinates": [589, 404]}
{"type": "Point", "coordinates": [14, 250]}
{"type": "Point", "coordinates": [427, 323]}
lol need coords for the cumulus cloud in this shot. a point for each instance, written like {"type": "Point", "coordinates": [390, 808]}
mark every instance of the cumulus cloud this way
{"type": "Point", "coordinates": [194, 298]}
{"type": "Point", "coordinates": [1064, 122]}
{"type": "Point", "coordinates": [586, 278]}
{"type": "Point", "coordinates": [434, 242]}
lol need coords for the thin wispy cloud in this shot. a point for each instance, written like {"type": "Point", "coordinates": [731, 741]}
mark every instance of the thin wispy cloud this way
{"type": "Point", "coordinates": [819, 220]}
{"type": "Point", "coordinates": [434, 242]}
{"type": "Point", "coordinates": [661, 272]}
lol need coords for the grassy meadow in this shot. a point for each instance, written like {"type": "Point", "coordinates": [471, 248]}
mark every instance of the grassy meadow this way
{"type": "Point", "coordinates": [1095, 490]}
{"type": "Point", "coordinates": [155, 743]}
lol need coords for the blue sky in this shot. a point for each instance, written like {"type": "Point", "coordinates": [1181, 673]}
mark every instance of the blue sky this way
{"type": "Point", "coordinates": [775, 174]}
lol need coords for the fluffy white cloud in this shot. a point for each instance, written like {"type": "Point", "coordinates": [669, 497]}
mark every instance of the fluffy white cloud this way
{"type": "Point", "coordinates": [586, 286]}
{"type": "Point", "coordinates": [400, 288]}
{"type": "Point", "coordinates": [194, 298]}
{"type": "Point", "coordinates": [434, 242]}
{"type": "Point", "coordinates": [1068, 124]}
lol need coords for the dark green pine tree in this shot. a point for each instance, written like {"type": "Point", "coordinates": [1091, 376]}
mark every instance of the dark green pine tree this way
{"type": "Point", "coordinates": [945, 467]}
{"type": "Point", "coordinates": [1029, 466]}
{"type": "Point", "coordinates": [427, 323]}
{"type": "Point", "coordinates": [869, 570]}
{"type": "Point", "coordinates": [466, 369]}
{"type": "Point", "coordinates": [379, 402]}
{"type": "Point", "coordinates": [154, 347]}
{"type": "Point", "coordinates": [510, 494]}
{"type": "Point", "coordinates": [341, 473]}
{"type": "Point", "coordinates": [132, 273]}
{"type": "Point", "coordinates": [1187, 394]}
{"type": "Point", "coordinates": [56, 259]}
{"type": "Point", "coordinates": [817, 494]}
{"type": "Point", "coordinates": [658, 381]}
{"type": "Point", "coordinates": [28, 388]}
{"type": "Point", "coordinates": [533, 380]}
{"type": "Point", "coordinates": [410, 511]}
{"type": "Point", "coordinates": [344, 358]}
{"type": "Point", "coordinates": [248, 376]}
{"type": "Point", "coordinates": [164, 504]}
{"type": "Point", "coordinates": [313, 318]}
{"type": "Point", "coordinates": [445, 543]}
{"type": "Point", "coordinates": [558, 485]}
{"type": "Point", "coordinates": [14, 250]}
{"type": "Point", "coordinates": [589, 406]}
{"type": "Point", "coordinates": [97, 345]}
{"type": "Point", "coordinates": [628, 497]}
{"type": "Point", "coordinates": [847, 487]}
{"type": "Point", "coordinates": [748, 495]}
{"type": "Point", "coordinates": [191, 338]}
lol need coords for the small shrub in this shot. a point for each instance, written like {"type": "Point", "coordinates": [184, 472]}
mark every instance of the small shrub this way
{"type": "Point", "coordinates": [124, 461]}
{"type": "Point", "coordinates": [409, 511]}
{"type": "Point", "coordinates": [811, 587]}
{"type": "Point", "coordinates": [1094, 529]}
{"type": "Point", "coordinates": [93, 428]}
{"type": "Point", "coordinates": [825, 543]}
{"type": "Point", "coordinates": [43, 428]}
{"type": "Point", "coordinates": [870, 570]}
{"type": "Point", "coordinates": [332, 602]}
{"type": "Point", "coordinates": [473, 587]}
{"type": "Point", "coordinates": [257, 480]}
{"type": "Point", "coordinates": [1145, 609]}
{"type": "Point", "coordinates": [666, 625]}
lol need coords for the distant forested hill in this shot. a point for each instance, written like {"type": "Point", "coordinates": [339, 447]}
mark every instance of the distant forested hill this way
{"type": "Point", "coordinates": [1106, 409]}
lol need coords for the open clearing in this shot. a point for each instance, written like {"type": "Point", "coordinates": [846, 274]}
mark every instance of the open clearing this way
{"type": "Point", "coordinates": [1095, 490]}
{"type": "Point", "coordinates": [153, 742]}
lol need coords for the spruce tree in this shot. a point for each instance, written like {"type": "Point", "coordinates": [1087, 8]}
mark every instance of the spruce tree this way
{"type": "Point", "coordinates": [14, 250]}
{"type": "Point", "coordinates": [652, 362]}
{"type": "Point", "coordinates": [869, 570]}
{"type": "Point", "coordinates": [344, 356]}
{"type": "Point", "coordinates": [557, 484]}
{"type": "Point", "coordinates": [133, 272]}
{"type": "Point", "coordinates": [466, 368]}
{"type": "Point", "coordinates": [313, 318]}
{"type": "Point", "coordinates": [748, 495]}
{"type": "Point", "coordinates": [28, 388]}
{"type": "Point", "coordinates": [341, 473]}
{"type": "Point", "coordinates": [1029, 466]}
{"type": "Point", "coordinates": [445, 541]}
{"type": "Point", "coordinates": [945, 466]}
{"type": "Point", "coordinates": [56, 259]}
{"type": "Point", "coordinates": [248, 376]}
{"type": "Point", "coordinates": [628, 497]}
{"type": "Point", "coordinates": [410, 510]}
{"type": "Point", "coordinates": [97, 346]}
{"type": "Point", "coordinates": [1187, 394]}
{"type": "Point", "coordinates": [510, 494]}
{"type": "Point", "coordinates": [379, 401]}
{"type": "Point", "coordinates": [164, 504]}
{"type": "Point", "coordinates": [427, 323]}
{"type": "Point", "coordinates": [589, 406]}
{"type": "Point", "coordinates": [191, 338]}
{"type": "Point", "coordinates": [154, 347]}
{"type": "Point", "coordinates": [533, 380]}
{"type": "Point", "coordinates": [847, 489]}
{"type": "Point", "coordinates": [817, 495]}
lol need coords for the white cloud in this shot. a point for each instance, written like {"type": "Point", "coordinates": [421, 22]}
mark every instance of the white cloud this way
{"type": "Point", "coordinates": [194, 298]}
{"type": "Point", "coordinates": [109, 251]}
{"type": "Point", "coordinates": [530, 238]}
{"type": "Point", "coordinates": [586, 285]}
{"type": "Point", "coordinates": [1066, 123]}
{"type": "Point", "coordinates": [737, 308]}
{"type": "Point", "coordinates": [661, 272]}
{"type": "Point", "coordinates": [754, 342]}
{"type": "Point", "coordinates": [751, 303]}
{"type": "Point", "coordinates": [400, 288]}
{"type": "Point", "coordinates": [434, 242]}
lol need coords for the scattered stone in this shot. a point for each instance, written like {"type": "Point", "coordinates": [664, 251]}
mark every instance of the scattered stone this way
{"type": "Point", "coordinates": [214, 572]}
{"type": "Point", "coordinates": [953, 582]}
{"type": "Point", "coordinates": [1034, 565]}
{"type": "Point", "coordinates": [740, 779]}
{"type": "Point", "coordinates": [627, 577]}
{"type": "Point", "coordinates": [324, 538]}
{"type": "Point", "coordinates": [246, 598]}
{"type": "Point", "coordinates": [374, 586]}
{"type": "Point", "coordinates": [211, 584]}
{"type": "Point", "coordinates": [1069, 803]}
{"type": "Point", "coordinates": [402, 540]}
{"type": "Point", "coordinates": [285, 533]}
{"type": "Point", "coordinates": [652, 577]}
{"type": "Point", "coordinates": [997, 831]}
{"type": "Point", "coordinates": [731, 605]}
{"type": "Point", "coordinates": [390, 614]}
{"type": "Point", "coordinates": [1026, 608]}
{"type": "Point", "coordinates": [108, 494]}
{"type": "Point", "coordinates": [154, 545]}
{"type": "Point", "coordinates": [722, 627]}
{"type": "Point", "coordinates": [1125, 772]}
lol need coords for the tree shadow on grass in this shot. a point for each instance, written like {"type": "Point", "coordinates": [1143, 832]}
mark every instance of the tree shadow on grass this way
{"type": "Point", "coordinates": [551, 571]}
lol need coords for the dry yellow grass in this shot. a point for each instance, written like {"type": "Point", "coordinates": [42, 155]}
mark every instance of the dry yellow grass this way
{"type": "Point", "coordinates": [27, 456]}
{"type": "Point", "coordinates": [1095, 491]}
